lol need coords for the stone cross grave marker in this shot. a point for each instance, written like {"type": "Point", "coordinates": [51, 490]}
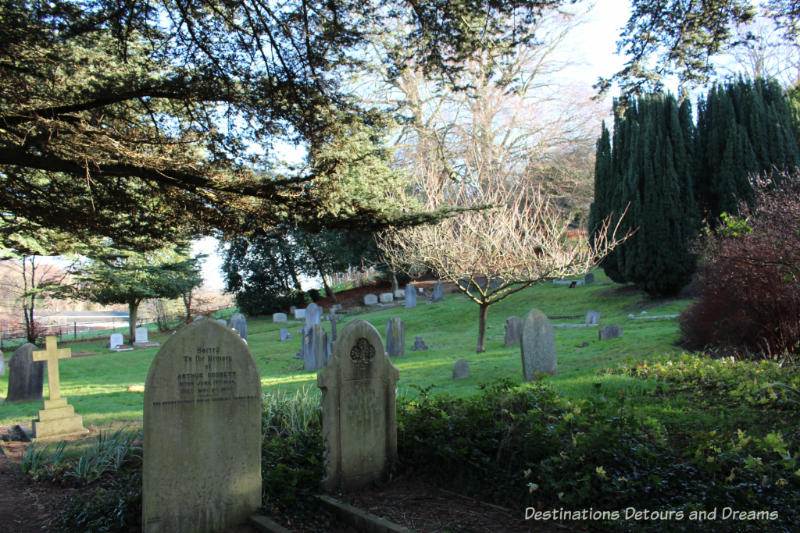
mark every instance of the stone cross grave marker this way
{"type": "Point", "coordinates": [359, 417]}
{"type": "Point", "coordinates": [25, 376]}
{"type": "Point", "coordinates": [460, 370]}
{"type": "Point", "coordinates": [201, 467]}
{"type": "Point", "coordinates": [395, 337]}
{"type": "Point", "coordinates": [513, 331]}
{"type": "Point", "coordinates": [370, 299]}
{"type": "Point", "coordinates": [411, 296]}
{"type": "Point", "coordinates": [58, 418]}
{"type": "Point", "coordinates": [538, 346]}
{"type": "Point", "coordinates": [438, 295]}
{"type": "Point", "coordinates": [239, 323]}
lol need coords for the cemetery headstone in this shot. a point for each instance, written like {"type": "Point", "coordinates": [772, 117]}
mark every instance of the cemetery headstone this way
{"type": "Point", "coordinates": [588, 278]}
{"type": "Point", "coordinates": [370, 299]}
{"type": "Point", "coordinates": [460, 370]}
{"type": "Point", "coordinates": [386, 298]}
{"type": "Point", "coordinates": [359, 417]}
{"type": "Point", "coordinates": [538, 346]}
{"type": "Point", "coordinates": [299, 314]}
{"type": "Point", "coordinates": [592, 318]}
{"type": "Point", "coordinates": [292, 308]}
{"type": "Point", "coordinates": [399, 295]}
{"type": "Point", "coordinates": [411, 296]}
{"type": "Point", "coordinates": [239, 323]}
{"type": "Point", "coordinates": [141, 338]}
{"type": "Point", "coordinates": [332, 319]}
{"type": "Point", "coordinates": [2, 365]}
{"type": "Point", "coordinates": [513, 331]}
{"type": "Point", "coordinates": [115, 341]}
{"type": "Point", "coordinates": [222, 321]}
{"type": "Point", "coordinates": [419, 344]}
{"type": "Point", "coordinates": [313, 314]}
{"type": "Point", "coordinates": [609, 332]}
{"type": "Point", "coordinates": [395, 337]}
{"type": "Point", "coordinates": [25, 376]}
{"type": "Point", "coordinates": [438, 295]}
{"type": "Point", "coordinates": [285, 336]}
{"type": "Point", "coordinates": [315, 348]}
{"type": "Point", "coordinates": [58, 418]}
{"type": "Point", "coordinates": [279, 317]}
{"type": "Point", "coordinates": [202, 433]}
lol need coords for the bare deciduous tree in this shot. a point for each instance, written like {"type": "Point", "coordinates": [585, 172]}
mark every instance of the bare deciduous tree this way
{"type": "Point", "coordinates": [493, 253]}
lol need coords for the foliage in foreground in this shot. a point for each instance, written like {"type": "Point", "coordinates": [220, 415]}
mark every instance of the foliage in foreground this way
{"type": "Point", "coordinates": [749, 298]}
{"type": "Point", "coordinates": [525, 447]}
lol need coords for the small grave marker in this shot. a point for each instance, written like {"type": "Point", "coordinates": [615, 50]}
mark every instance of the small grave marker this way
{"type": "Point", "coordinates": [279, 317]}
{"type": "Point", "coordinates": [438, 295]}
{"type": "Point", "coordinates": [592, 318]}
{"type": "Point", "coordinates": [239, 323]}
{"type": "Point", "coordinates": [419, 344]}
{"type": "Point", "coordinates": [460, 370]}
{"type": "Point", "coordinates": [513, 331]}
{"type": "Point", "coordinates": [395, 337]}
{"type": "Point", "coordinates": [115, 341]}
{"type": "Point", "coordinates": [285, 335]}
{"type": "Point", "coordinates": [386, 297]}
{"type": "Point", "coordinates": [370, 299]}
{"type": "Point", "coordinates": [411, 296]}
{"type": "Point", "coordinates": [609, 332]}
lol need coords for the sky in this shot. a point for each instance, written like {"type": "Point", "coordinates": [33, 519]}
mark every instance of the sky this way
{"type": "Point", "coordinates": [594, 43]}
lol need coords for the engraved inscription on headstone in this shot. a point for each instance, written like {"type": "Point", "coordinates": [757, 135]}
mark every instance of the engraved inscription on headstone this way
{"type": "Point", "coordinates": [202, 433]}
{"type": "Point", "coordinates": [359, 419]}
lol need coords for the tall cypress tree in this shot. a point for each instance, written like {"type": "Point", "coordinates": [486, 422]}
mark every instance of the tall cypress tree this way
{"type": "Point", "coordinates": [650, 176]}
{"type": "Point", "coordinates": [744, 127]}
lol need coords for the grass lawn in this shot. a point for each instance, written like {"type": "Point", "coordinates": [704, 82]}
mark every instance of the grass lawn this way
{"type": "Point", "coordinates": [98, 386]}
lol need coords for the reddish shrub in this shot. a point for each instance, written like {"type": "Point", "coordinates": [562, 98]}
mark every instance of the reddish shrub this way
{"type": "Point", "coordinates": [749, 298]}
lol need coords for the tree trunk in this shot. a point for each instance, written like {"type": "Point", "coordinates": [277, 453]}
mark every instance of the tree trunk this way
{"type": "Point", "coordinates": [133, 307]}
{"type": "Point", "coordinates": [328, 291]}
{"type": "Point", "coordinates": [483, 313]}
{"type": "Point", "coordinates": [187, 303]}
{"type": "Point", "coordinates": [29, 298]}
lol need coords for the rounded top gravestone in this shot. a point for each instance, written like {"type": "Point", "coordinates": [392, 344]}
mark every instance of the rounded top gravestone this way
{"type": "Point", "coordinates": [359, 418]}
{"type": "Point", "coordinates": [25, 376]}
{"type": "Point", "coordinates": [202, 432]}
{"type": "Point", "coordinates": [538, 346]}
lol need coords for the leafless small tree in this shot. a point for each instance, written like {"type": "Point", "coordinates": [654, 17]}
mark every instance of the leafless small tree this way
{"type": "Point", "coordinates": [490, 254]}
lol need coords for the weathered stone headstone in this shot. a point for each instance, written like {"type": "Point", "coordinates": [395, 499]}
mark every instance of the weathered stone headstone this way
{"type": "Point", "coordinates": [279, 317]}
{"type": "Point", "coordinates": [313, 314]}
{"type": "Point", "coordinates": [460, 370]}
{"type": "Point", "coordinates": [25, 376]}
{"type": "Point", "coordinates": [370, 299]}
{"type": "Point", "coordinates": [285, 335]}
{"type": "Point", "coordinates": [538, 346]}
{"type": "Point", "coordinates": [239, 323]}
{"type": "Point", "coordinates": [315, 348]}
{"type": "Point", "coordinates": [513, 331]}
{"type": "Point", "coordinates": [588, 278]}
{"type": "Point", "coordinates": [299, 313]}
{"type": "Point", "coordinates": [592, 318]}
{"type": "Point", "coordinates": [359, 417]}
{"type": "Point", "coordinates": [115, 341]}
{"type": "Point", "coordinates": [438, 295]}
{"type": "Point", "coordinates": [419, 344]}
{"type": "Point", "coordinates": [609, 332]}
{"type": "Point", "coordinates": [411, 296]}
{"type": "Point", "coordinates": [292, 308]}
{"type": "Point", "coordinates": [58, 418]}
{"type": "Point", "coordinates": [386, 298]}
{"type": "Point", "coordinates": [332, 318]}
{"type": "Point", "coordinates": [399, 295]}
{"type": "Point", "coordinates": [395, 337]}
{"type": "Point", "coordinates": [222, 321]}
{"type": "Point", "coordinates": [202, 433]}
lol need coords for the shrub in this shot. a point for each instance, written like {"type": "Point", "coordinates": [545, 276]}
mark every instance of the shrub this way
{"type": "Point", "coordinates": [749, 287]}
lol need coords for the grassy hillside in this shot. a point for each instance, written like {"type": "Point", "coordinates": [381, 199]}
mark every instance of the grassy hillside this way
{"type": "Point", "coordinates": [98, 386]}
